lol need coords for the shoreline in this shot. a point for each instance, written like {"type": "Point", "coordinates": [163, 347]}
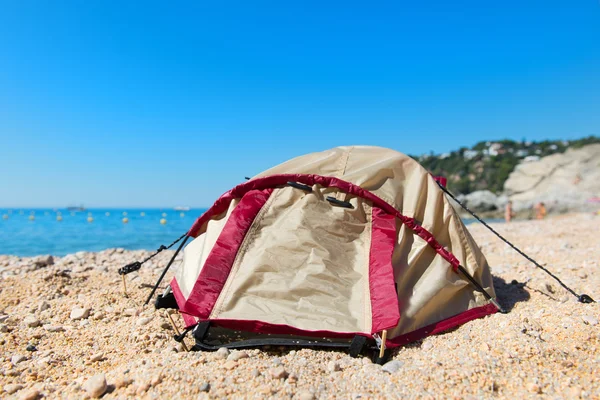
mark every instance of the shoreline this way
{"type": "Point", "coordinates": [75, 314]}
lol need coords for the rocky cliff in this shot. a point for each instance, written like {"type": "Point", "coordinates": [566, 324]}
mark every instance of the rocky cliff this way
{"type": "Point", "coordinates": [566, 181]}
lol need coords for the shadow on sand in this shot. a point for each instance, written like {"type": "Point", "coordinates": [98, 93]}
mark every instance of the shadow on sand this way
{"type": "Point", "coordinates": [510, 294]}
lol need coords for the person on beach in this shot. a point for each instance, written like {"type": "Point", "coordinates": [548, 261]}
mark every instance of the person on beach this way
{"type": "Point", "coordinates": [540, 209]}
{"type": "Point", "coordinates": [508, 212]}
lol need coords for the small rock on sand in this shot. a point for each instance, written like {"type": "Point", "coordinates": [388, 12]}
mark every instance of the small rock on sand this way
{"type": "Point", "coordinates": [590, 320]}
{"type": "Point", "coordinates": [53, 328]}
{"type": "Point", "coordinates": [97, 357]}
{"type": "Point", "coordinates": [44, 305]}
{"type": "Point", "coordinates": [304, 395]}
{"type": "Point", "coordinates": [143, 321]}
{"type": "Point", "coordinates": [79, 313]}
{"type": "Point", "coordinates": [205, 387]}
{"type": "Point", "coordinates": [229, 365]}
{"type": "Point", "coordinates": [237, 355]}
{"type": "Point", "coordinates": [17, 358]}
{"type": "Point", "coordinates": [392, 367]}
{"type": "Point", "coordinates": [333, 366]}
{"type": "Point", "coordinates": [12, 388]}
{"type": "Point", "coordinates": [31, 321]}
{"type": "Point", "coordinates": [95, 386]}
{"type": "Point", "coordinates": [222, 353]}
{"type": "Point", "coordinates": [31, 394]}
{"type": "Point", "coordinates": [278, 373]}
{"type": "Point", "coordinates": [122, 381]}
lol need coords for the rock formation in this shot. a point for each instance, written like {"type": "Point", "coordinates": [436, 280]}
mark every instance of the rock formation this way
{"type": "Point", "coordinates": [567, 181]}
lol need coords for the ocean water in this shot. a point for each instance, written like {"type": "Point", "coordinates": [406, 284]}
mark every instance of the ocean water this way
{"type": "Point", "coordinates": [45, 235]}
{"type": "Point", "coordinates": [21, 236]}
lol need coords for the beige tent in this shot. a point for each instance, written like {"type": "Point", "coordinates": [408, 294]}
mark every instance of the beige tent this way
{"type": "Point", "coordinates": [348, 242]}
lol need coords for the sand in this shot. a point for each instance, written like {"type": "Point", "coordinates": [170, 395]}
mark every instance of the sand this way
{"type": "Point", "coordinates": [67, 331]}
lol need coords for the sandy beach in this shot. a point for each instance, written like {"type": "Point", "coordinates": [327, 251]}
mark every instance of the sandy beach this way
{"type": "Point", "coordinates": [64, 321]}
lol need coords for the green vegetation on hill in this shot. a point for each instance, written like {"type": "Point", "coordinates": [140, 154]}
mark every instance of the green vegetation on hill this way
{"type": "Point", "coordinates": [487, 165]}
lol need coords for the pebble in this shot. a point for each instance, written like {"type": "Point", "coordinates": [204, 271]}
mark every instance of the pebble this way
{"type": "Point", "coordinates": [392, 367]}
{"type": "Point", "coordinates": [278, 373]}
{"type": "Point", "coordinates": [97, 357]}
{"type": "Point", "coordinates": [3, 328]}
{"type": "Point", "coordinates": [143, 321]}
{"type": "Point", "coordinates": [222, 353]}
{"type": "Point", "coordinates": [12, 388]}
{"type": "Point", "coordinates": [44, 305]}
{"type": "Point", "coordinates": [122, 381]}
{"type": "Point", "coordinates": [156, 379]}
{"type": "Point", "coordinates": [229, 365]}
{"type": "Point", "coordinates": [590, 320]}
{"type": "Point", "coordinates": [31, 394]}
{"type": "Point", "coordinates": [131, 312]}
{"type": "Point", "coordinates": [95, 386]}
{"type": "Point", "coordinates": [79, 313]}
{"type": "Point", "coordinates": [304, 395]}
{"type": "Point", "coordinates": [237, 355]}
{"type": "Point", "coordinates": [427, 345]}
{"type": "Point", "coordinates": [54, 328]}
{"type": "Point", "coordinates": [31, 321]}
{"type": "Point", "coordinates": [17, 358]}
{"type": "Point", "coordinates": [333, 366]}
{"type": "Point", "coordinates": [534, 388]}
{"type": "Point", "coordinates": [205, 387]}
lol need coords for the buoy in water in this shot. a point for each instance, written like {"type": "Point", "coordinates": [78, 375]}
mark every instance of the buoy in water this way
{"type": "Point", "coordinates": [5, 216]}
{"type": "Point", "coordinates": [124, 213]}
{"type": "Point", "coordinates": [182, 215]}
{"type": "Point", "coordinates": [107, 214]}
{"type": "Point", "coordinates": [142, 214]}
{"type": "Point", "coordinates": [163, 221]}
{"type": "Point", "coordinates": [125, 220]}
{"type": "Point", "coordinates": [164, 214]}
{"type": "Point", "coordinates": [32, 217]}
{"type": "Point", "coordinates": [59, 217]}
{"type": "Point", "coordinates": [90, 219]}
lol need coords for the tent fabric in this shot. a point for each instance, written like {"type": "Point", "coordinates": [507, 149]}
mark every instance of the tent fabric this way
{"type": "Point", "coordinates": [268, 257]}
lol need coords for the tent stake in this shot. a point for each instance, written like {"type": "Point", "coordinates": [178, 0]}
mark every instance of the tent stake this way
{"type": "Point", "coordinates": [124, 286]}
{"type": "Point", "coordinates": [383, 339]}
{"type": "Point", "coordinates": [480, 289]}
{"type": "Point", "coordinates": [176, 330]}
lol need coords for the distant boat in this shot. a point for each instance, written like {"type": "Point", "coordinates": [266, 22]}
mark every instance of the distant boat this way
{"type": "Point", "coordinates": [181, 208]}
{"type": "Point", "coordinates": [76, 208]}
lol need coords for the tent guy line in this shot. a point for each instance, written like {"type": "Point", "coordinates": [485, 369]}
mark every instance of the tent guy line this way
{"type": "Point", "coordinates": [582, 298]}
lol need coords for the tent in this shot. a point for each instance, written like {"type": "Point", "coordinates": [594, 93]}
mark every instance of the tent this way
{"type": "Point", "coordinates": [346, 247]}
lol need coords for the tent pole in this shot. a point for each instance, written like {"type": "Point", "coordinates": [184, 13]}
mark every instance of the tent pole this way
{"type": "Point", "coordinates": [480, 288]}
{"type": "Point", "coordinates": [166, 269]}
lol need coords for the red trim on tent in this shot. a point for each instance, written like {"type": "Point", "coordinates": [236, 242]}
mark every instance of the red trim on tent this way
{"type": "Point", "coordinates": [215, 272]}
{"type": "Point", "coordinates": [277, 180]}
{"type": "Point", "coordinates": [444, 325]}
{"type": "Point", "coordinates": [441, 180]}
{"type": "Point", "coordinates": [187, 318]}
{"type": "Point", "coordinates": [384, 299]}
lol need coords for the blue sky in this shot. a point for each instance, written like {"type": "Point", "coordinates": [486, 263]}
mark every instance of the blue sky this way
{"type": "Point", "coordinates": [172, 103]}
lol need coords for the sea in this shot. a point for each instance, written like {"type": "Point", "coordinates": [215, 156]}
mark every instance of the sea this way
{"type": "Point", "coordinates": [31, 232]}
